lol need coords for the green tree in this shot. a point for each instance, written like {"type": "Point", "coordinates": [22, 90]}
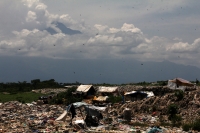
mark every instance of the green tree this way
{"type": "Point", "coordinates": [35, 83]}
{"type": "Point", "coordinates": [66, 97]}
{"type": "Point", "coordinates": [197, 81]}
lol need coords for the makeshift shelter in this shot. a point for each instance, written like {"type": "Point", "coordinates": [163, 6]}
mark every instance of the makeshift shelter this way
{"type": "Point", "coordinates": [91, 111]}
{"type": "Point", "coordinates": [86, 91]}
{"type": "Point", "coordinates": [138, 95]}
{"type": "Point", "coordinates": [106, 91]}
{"type": "Point", "coordinates": [179, 84]}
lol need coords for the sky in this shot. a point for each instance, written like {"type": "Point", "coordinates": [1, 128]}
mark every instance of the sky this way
{"type": "Point", "coordinates": [146, 31]}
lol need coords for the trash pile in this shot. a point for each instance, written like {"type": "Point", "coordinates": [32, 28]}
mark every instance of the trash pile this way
{"type": "Point", "coordinates": [188, 107]}
{"type": "Point", "coordinates": [30, 117]}
{"type": "Point", "coordinates": [140, 116]}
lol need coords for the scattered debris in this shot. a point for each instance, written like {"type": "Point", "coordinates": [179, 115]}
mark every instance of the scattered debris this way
{"type": "Point", "coordinates": [145, 115]}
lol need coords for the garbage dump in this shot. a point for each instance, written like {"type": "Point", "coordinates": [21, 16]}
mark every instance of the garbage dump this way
{"type": "Point", "coordinates": [147, 115]}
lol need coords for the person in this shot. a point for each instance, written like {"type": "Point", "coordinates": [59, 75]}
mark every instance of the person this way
{"type": "Point", "coordinates": [72, 110]}
{"type": "Point", "coordinates": [123, 98]}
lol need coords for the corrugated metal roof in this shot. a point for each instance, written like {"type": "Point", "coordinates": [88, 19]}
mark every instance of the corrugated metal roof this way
{"type": "Point", "coordinates": [182, 82]}
{"type": "Point", "coordinates": [83, 88]}
{"type": "Point", "coordinates": [107, 89]}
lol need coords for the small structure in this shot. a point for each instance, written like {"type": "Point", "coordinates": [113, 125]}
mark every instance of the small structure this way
{"type": "Point", "coordinates": [92, 113]}
{"type": "Point", "coordinates": [179, 84]}
{"type": "Point", "coordinates": [87, 91]}
{"type": "Point", "coordinates": [138, 95]}
{"type": "Point", "coordinates": [106, 91]}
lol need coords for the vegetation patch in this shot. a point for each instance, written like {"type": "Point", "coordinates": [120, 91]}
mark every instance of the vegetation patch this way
{"type": "Point", "coordinates": [24, 97]}
{"type": "Point", "coordinates": [179, 94]}
{"type": "Point", "coordinates": [66, 97]}
{"type": "Point", "coordinates": [115, 99]}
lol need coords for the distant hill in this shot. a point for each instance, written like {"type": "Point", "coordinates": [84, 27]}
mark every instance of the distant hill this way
{"type": "Point", "coordinates": [15, 69]}
{"type": "Point", "coordinates": [63, 28]}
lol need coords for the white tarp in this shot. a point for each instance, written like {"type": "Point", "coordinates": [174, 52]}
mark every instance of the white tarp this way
{"type": "Point", "coordinates": [149, 94]}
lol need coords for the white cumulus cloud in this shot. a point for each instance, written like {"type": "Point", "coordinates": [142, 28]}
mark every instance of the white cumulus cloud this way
{"type": "Point", "coordinates": [25, 35]}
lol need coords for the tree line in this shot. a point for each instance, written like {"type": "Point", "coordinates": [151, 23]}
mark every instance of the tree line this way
{"type": "Point", "coordinates": [15, 87]}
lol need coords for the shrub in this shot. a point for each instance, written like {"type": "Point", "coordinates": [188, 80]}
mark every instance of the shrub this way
{"type": "Point", "coordinates": [172, 109]}
{"type": "Point", "coordinates": [173, 117]}
{"type": "Point", "coordinates": [115, 99]}
{"type": "Point", "coordinates": [179, 94]}
{"type": "Point", "coordinates": [65, 97]}
{"type": "Point", "coordinates": [196, 125]}
{"type": "Point", "coordinates": [187, 126]}
{"type": "Point", "coordinates": [176, 120]}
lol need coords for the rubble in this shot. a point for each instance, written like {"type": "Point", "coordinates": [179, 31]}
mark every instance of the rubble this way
{"type": "Point", "coordinates": [145, 116]}
{"type": "Point", "coordinates": [18, 117]}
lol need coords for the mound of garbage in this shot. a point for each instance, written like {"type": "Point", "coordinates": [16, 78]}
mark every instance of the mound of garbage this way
{"type": "Point", "coordinates": [146, 115]}
{"type": "Point", "coordinates": [188, 106]}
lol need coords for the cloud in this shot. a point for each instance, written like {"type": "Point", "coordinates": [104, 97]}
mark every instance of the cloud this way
{"type": "Point", "coordinates": [31, 16]}
{"type": "Point", "coordinates": [130, 27]}
{"type": "Point", "coordinates": [105, 39]}
{"type": "Point", "coordinates": [177, 39]}
{"type": "Point", "coordinates": [26, 36]}
{"type": "Point", "coordinates": [182, 47]}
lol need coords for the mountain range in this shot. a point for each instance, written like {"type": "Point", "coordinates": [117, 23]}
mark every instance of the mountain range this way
{"type": "Point", "coordinates": [112, 71]}
{"type": "Point", "coordinates": [63, 29]}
